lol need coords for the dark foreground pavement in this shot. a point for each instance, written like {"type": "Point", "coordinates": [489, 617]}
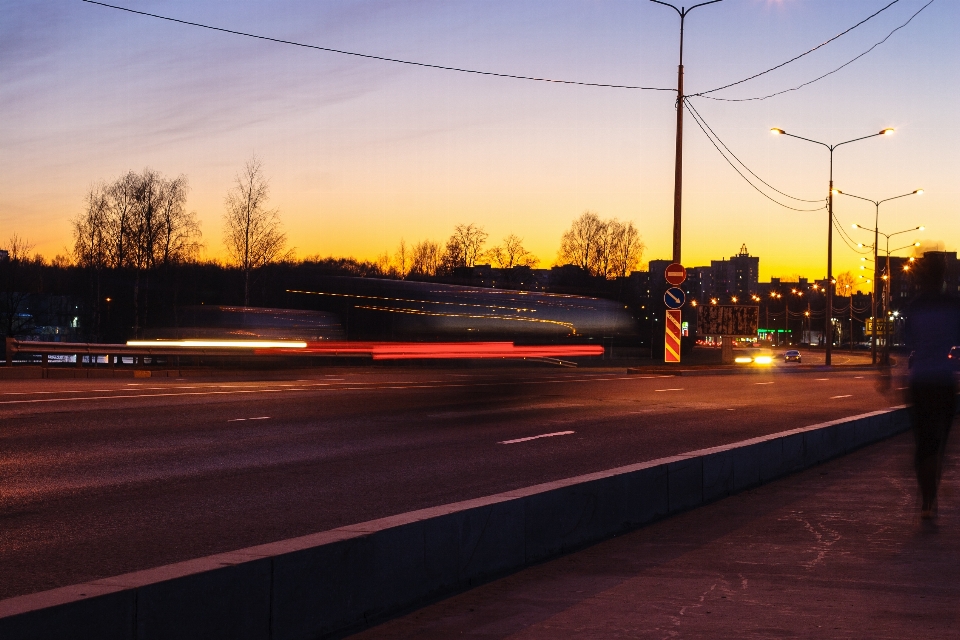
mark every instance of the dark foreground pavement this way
{"type": "Point", "coordinates": [833, 552]}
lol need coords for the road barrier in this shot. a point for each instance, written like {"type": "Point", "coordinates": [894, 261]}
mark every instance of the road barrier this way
{"type": "Point", "coordinates": [336, 581]}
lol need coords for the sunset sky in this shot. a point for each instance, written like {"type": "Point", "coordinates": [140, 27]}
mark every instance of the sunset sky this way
{"type": "Point", "coordinates": [362, 153]}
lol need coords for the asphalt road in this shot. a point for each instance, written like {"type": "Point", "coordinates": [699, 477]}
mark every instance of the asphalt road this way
{"type": "Point", "coordinates": [102, 477]}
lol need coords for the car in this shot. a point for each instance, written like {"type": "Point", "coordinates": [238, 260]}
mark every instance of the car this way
{"type": "Point", "coordinates": [792, 355]}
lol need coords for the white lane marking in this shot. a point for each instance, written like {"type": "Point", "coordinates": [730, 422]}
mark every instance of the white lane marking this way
{"type": "Point", "coordinates": [261, 418]}
{"type": "Point", "coordinates": [902, 388]}
{"type": "Point", "coordinates": [542, 435]}
{"type": "Point", "coordinates": [762, 383]}
{"type": "Point", "coordinates": [858, 377]}
{"type": "Point", "coordinates": [236, 420]}
{"type": "Point", "coordinates": [821, 379]}
{"type": "Point", "coordinates": [646, 377]}
{"type": "Point", "coordinates": [668, 389]}
{"type": "Point", "coordinates": [731, 409]}
{"type": "Point", "coordinates": [835, 397]}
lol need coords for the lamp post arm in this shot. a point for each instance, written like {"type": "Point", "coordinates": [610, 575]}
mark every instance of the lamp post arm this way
{"type": "Point", "coordinates": [701, 4]}
{"type": "Point", "coordinates": [903, 195]}
{"type": "Point", "coordinates": [873, 202]}
{"type": "Point", "coordinates": [904, 231]}
{"type": "Point", "coordinates": [872, 135]}
{"type": "Point", "coordinates": [822, 144]}
{"type": "Point", "coordinates": [667, 4]}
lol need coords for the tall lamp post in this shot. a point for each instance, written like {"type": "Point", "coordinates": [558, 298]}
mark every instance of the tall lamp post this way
{"type": "Point", "coordinates": [888, 279]}
{"type": "Point", "coordinates": [876, 241]}
{"type": "Point", "coordinates": [830, 147]}
{"type": "Point", "coordinates": [678, 166]}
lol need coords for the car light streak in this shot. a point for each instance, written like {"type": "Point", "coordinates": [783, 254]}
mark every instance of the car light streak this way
{"type": "Point", "coordinates": [446, 350]}
{"type": "Point", "coordinates": [220, 344]}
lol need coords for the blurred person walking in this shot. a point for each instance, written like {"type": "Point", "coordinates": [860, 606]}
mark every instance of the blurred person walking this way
{"type": "Point", "coordinates": [932, 328]}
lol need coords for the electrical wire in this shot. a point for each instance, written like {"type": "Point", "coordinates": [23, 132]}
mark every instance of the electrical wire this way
{"type": "Point", "coordinates": [829, 73]}
{"type": "Point", "coordinates": [374, 57]}
{"type": "Point", "coordinates": [846, 239]}
{"type": "Point", "coordinates": [693, 109]}
{"type": "Point", "coordinates": [795, 58]}
{"type": "Point", "coordinates": [699, 124]}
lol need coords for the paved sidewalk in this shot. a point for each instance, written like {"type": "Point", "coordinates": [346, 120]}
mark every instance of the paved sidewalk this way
{"type": "Point", "coordinates": [837, 551]}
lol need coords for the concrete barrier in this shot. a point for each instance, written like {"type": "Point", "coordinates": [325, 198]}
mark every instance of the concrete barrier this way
{"type": "Point", "coordinates": [330, 582]}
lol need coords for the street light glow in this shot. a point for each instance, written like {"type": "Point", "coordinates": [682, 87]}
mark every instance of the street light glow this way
{"type": "Point", "coordinates": [886, 132]}
{"type": "Point", "coordinates": [919, 192]}
{"type": "Point", "coordinates": [775, 131]}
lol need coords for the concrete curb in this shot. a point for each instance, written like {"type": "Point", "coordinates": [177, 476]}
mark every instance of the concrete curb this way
{"type": "Point", "coordinates": [334, 581]}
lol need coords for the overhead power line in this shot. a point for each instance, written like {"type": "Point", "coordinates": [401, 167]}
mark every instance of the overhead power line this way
{"type": "Point", "coordinates": [375, 57]}
{"type": "Point", "coordinates": [702, 125]}
{"type": "Point", "coordinates": [694, 110]}
{"type": "Point", "coordinates": [818, 78]}
{"type": "Point", "coordinates": [851, 244]}
{"type": "Point", "coordinates": [795, 58]}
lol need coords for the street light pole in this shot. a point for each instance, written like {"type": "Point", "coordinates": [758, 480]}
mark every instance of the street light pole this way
{"type": "Point", "coordinates": [678, 161]}
{"type": "Point", "coordinates": [874, 299]}
{"type": "Point", "coordinates": [829, 310]}
{"type": "Point", "coordinates": [888, 277]}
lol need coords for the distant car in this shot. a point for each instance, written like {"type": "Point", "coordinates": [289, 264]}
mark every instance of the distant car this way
{"type": "Point", "coordinates": [792, 355]}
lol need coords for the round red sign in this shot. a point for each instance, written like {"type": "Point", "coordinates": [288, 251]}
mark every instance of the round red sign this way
{"type": "Point", "coordinates": [675, 274]}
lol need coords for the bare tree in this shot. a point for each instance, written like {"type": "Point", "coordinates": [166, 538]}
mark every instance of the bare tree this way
{"type": "Point", "coordinates": [179, 230]}
{"type": "Point", "coordinates": [844, 284]}
{"type": "Point", "coordinates": [91, 229]}
{"type": "Point", "coordinates": [607, 248]}
{"type": "Point", "coordinates": [465, 246]}
{"type": "Point", "coordinates": [252, 232]}
{"type": "Point", "coordinates": [512, 254]}
{"type": "Point", "coordinates": [401, 259]}
{"type": "Point", "coordinates": [425, 258]}
{"type": "Point", "coordinates": [582, 243]}
{"type": "Point", "coordinates": [625, 248]}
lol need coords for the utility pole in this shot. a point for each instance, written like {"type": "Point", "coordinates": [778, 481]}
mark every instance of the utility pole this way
{"type": "Point", "coordinates": [678, 166]}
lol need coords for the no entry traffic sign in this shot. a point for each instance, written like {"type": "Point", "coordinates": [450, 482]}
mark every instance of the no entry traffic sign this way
{"type": "Point", "coordinates": [675, 274]}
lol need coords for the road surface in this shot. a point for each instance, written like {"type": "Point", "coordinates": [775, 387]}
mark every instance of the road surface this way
{"type": "Point", "coordinates": [102, 477]}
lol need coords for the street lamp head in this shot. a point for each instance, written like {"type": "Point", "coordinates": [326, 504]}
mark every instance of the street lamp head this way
{"type": "Point", "coordinates": [836, 191]}
{"type": "Point", "coordinates": [921, 228]}
{"type": "Point", "coordinates": [855, 225]}
{"type": "Point", "coordinates": [916, 244]}
{"type": "Point", "coordinates": [775, 131]}
{"type": "Point", "coordinates": [919, 192]}
{"type": "Point", "coordinates": [886, 132]}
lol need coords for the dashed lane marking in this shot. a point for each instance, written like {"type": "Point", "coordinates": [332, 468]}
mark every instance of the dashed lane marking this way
{"type": "Point", "coordinates": [836, 397]}
{"type": "Point", "coordinates": [668, 389]}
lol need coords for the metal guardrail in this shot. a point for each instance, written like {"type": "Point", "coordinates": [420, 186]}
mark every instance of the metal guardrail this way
{"type": "Point", "coordinates": [112, 352]}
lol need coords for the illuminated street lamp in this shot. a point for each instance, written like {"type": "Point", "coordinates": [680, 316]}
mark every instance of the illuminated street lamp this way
{"type": "Point", "coordinates": [830, 147]}
{"type": "Point", "coordinates": [886, 278]}
{"type": "Point", "coordinates": [876, 224]}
